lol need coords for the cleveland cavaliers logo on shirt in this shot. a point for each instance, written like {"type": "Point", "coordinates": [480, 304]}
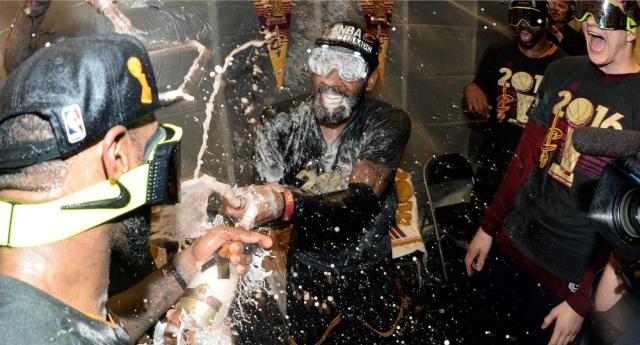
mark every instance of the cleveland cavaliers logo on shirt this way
{"type": "Point", "coordinates": [516, 93]}
{"type": "Point", "coordinates": [572, 113]}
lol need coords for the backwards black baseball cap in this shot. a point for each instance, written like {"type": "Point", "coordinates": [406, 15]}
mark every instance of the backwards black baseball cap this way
{"type": "Point", "coordinates": [352, 36]}
{"type": "Point", "coordinates": [83, 86]}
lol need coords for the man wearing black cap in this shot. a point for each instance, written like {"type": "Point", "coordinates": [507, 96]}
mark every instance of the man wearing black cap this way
{"type": "Point", "coordinates": [82, 159]}
{"type": "Point", "coordinates": [328, 159]}
{"type": "Point", "coordinates": [508, 78]}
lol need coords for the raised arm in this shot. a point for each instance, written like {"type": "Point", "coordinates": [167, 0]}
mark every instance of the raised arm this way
{"type": "Point", "coordinates": [141, 306]}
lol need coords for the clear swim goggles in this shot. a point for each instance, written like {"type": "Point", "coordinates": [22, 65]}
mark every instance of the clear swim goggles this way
{"type": "Point", "coordinates": [607, 16]}
{"type": "Point", "coordinates": [350, 65]}
{"type": "Point", "coordinates": [156, 182]}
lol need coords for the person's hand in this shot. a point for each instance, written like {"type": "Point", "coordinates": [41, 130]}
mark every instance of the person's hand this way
{"type": "Point", "coordinates": [476, 100]}
{"type": "Point", "coordinates": [260, 204]}
{"type": "Point", "coordinates": [189, 261]}
{"type": "Point", "coordinates": [477, 251]}
{"type": "Point", "coordinates": [555, 31]}
{"type": "Point", "coordinates": [568, 324]}
{"type": "Point", "coordinates": [172, 330]}
{"type": "Point", "coordinates": [35, 8]}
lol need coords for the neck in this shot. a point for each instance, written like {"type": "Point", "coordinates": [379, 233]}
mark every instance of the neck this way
{"type": "Point", "coordinates": [74, 271]}
{"type": "Point", "coordinates": [331, 131]}
{"type": "Point", "coordinates": [541, 49]}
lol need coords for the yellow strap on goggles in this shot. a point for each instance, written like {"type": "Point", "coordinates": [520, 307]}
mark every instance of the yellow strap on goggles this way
{"type": "Point", "coordinates": [30, 225]}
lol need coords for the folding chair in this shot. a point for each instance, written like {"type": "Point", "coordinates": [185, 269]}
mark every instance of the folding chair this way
{"type": "Point", "coordinates": [448, 181]}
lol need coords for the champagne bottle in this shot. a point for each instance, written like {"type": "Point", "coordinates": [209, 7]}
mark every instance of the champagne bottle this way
{"type": "Point", "coordinates": [209, 295]}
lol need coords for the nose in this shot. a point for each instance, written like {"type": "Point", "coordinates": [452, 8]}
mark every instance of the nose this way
{"type": "Point", "coordinates": [333, 78]}
{"type": "Point", "coordinates": [523, 25]}
{"type": "Point", "coordinates": [590, 20]}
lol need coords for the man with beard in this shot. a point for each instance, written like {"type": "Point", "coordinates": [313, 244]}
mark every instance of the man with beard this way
{"type": "Point", "coordinates": [505, 85]}
{"type": "Point", "coordinates": [328, 159]}
{"type": "Point", "coordinates": [564, 29]}
{"type": "Point", "coordinates": [82, 159]}
{"type": "Point", "coordinates": [131, 261]}
{"type": "Point", "coordinates": [539, 274]}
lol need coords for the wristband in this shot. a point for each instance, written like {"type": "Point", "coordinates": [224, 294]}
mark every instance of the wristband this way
{"type": "Point", "coordinates": [289, 206]}
{"type": "Point", "coordinates": [174, 272]}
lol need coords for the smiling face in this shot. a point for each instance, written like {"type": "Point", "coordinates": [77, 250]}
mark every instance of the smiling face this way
{"type": "Point", "coordinates": [610, 50]}
{"type": "Point", "coordinates": [335, 98]}
{"type": "Point", "coordinates": [559, 12]}
{"type": "Point", "coordinates": [529, 24]}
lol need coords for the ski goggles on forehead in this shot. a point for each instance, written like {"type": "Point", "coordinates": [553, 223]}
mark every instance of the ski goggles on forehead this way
{"type": "Point", "coordinates": [351, 66]}
{"type": "Point", "coordinates": [155, 182]}
{"type": "Point", "coordinates": [533, 18]}
{"type": "Point", "coordinates": [607, 16]}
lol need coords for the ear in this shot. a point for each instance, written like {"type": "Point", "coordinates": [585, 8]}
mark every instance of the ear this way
{"type": "Point", "coordinates": [631, 36]}
{"type": "Point", "coordinates": [114, 156]}
{"type": "Point", "coordinates": [371, 81]}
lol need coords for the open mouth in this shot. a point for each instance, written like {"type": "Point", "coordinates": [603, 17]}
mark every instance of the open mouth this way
{"type": "Point", "coordinates": [525, 36]}
{"type": "Point", "coordinates": [331, 99]}
{"type": "Point", "coordinates": [597, 42]}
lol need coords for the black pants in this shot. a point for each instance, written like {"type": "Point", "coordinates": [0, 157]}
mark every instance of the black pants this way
{"type": "Point", "coordinates": [507, 306]}
{"type": "Point", "coordinates": [492, 164]}
{"type": "Point", "coordinates": [339, 305]}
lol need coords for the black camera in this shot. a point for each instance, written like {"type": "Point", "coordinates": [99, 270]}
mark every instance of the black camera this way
{"type": "Point", "coordinates": [615, 210]}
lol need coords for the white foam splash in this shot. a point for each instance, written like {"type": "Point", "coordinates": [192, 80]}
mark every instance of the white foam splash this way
{"type": "Point", "coordinates": [250, 284]}
{"type": "Point", "coordinates": [192, 222]}
{"type": "Point", "coordinates": [209, 107]}
{"type": "Point", "coordinates": [179, 93]}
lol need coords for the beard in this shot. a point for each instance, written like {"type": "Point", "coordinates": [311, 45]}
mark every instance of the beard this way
{"type": "Point", "coordinates": [333, 114]}
{"type": "Point", "coordinates": [130, 256]}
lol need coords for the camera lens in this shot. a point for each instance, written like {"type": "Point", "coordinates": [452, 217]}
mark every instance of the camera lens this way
{"type": "Point", "coordinates": [629, 213]}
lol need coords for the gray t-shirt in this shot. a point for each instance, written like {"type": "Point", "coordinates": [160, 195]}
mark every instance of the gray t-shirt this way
{"type": "Point", "coordinates": [29, 316]}
{"type": "Point", "coordinates": [290, 148]}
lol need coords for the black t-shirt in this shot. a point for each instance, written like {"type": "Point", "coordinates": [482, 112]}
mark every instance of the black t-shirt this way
{"type": "Point", "coordinates": [548, 221]}
{"type": "Point", "coordinates": [29, 316]}
{"type": "Point", "coordinates": [511, 80]}
{"type": "Point", "coordinates": [290, 148]}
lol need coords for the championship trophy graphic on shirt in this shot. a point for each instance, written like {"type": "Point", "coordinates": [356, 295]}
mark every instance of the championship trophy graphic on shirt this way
{"type": "Point", "coordinates": [516, 93]}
